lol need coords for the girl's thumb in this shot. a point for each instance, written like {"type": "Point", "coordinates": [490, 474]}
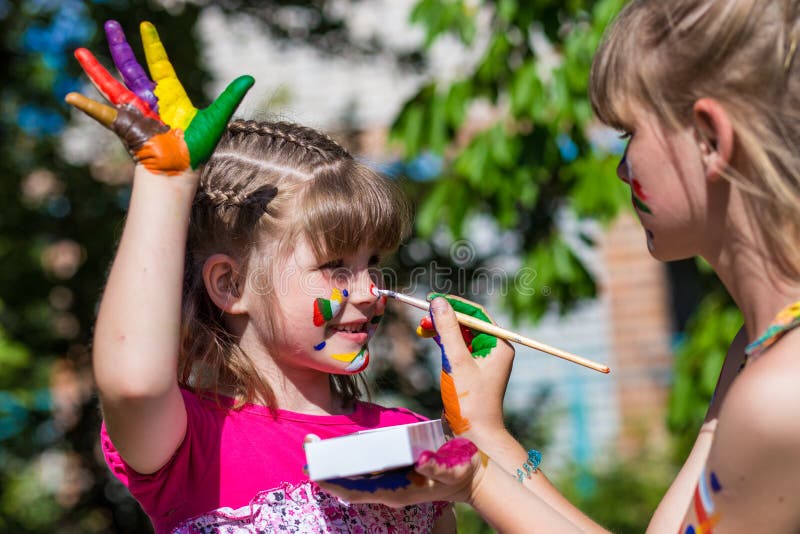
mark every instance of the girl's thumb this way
{"type": "Point", "coordinates": [448, 329]}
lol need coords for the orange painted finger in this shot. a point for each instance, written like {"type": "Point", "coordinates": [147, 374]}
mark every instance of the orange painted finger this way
{"type": "Point", "coordinates": [110, 87]}
{"type": "Point", "coordinates": [105, 115]}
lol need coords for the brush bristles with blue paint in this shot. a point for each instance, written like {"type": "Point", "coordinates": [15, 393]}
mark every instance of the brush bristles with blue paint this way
{"type": "Point", "coordinates": [498, 332]}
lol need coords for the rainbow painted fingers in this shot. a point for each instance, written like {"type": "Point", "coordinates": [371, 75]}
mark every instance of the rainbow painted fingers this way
{"type": "Point", "coordinates": [155, 119]}
{"type": "Point", "coordinates": [479, 344]}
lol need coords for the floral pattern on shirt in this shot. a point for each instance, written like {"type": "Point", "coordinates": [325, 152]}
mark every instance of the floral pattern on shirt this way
{"type": "Point", "coordinates": [308, 509]}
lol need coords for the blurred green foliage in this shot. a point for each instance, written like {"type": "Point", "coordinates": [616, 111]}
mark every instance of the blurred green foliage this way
{"type": "Point", "coordinates": [622, 494]}
{"type": "Point", "coordinates": [699, 359]}
{"type": "Point", "coordinates": [535, 158]}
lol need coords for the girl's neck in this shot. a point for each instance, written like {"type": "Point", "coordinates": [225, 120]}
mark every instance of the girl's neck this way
{"type": "Point", "coordinates": [295, 388]}
{"type": "Point", "coordinates": [754, 282]}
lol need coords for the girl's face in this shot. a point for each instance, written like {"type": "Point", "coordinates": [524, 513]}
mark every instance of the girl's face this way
{"type": "Point", "coordinates": [665, 173]}
{"type": "Point", "coordinates": [328, 310]}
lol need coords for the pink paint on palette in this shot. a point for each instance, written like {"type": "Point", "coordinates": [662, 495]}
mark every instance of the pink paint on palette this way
{"type": "Point", "coordinates": [456, 452]}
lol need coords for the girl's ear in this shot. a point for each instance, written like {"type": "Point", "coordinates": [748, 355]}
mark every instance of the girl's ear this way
{"type": "Point", "coordinates": [716, 136]}
{"type": "Point", "coordinates": [223, 282]}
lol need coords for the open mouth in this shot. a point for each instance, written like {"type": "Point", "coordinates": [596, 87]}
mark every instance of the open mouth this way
{"type": "Point", "coordinates": [350, 328]}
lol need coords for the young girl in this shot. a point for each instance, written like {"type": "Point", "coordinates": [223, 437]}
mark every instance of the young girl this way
{"type": "Point", "coordinates": [238, 310]}
{"type": "Point", "coordinates": [708, 92]}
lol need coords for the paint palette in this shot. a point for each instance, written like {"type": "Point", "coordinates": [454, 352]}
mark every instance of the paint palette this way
{"type": "Point", "coordinates": [372, 451]}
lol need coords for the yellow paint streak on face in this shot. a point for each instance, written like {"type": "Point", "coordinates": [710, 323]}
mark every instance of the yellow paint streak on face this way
{"type": "Point", "coordinates": [346, 357]}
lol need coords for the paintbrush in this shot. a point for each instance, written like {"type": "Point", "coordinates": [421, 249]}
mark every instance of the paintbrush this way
{"type": "Point", "coordinates": [499, 332]}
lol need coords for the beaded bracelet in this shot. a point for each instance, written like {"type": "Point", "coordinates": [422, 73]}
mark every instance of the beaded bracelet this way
{"type": "Point", "coordinates": [531, 466]}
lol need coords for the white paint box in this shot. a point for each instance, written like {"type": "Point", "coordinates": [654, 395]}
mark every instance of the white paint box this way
{"type": "Point", "coordinates": [372, 451]}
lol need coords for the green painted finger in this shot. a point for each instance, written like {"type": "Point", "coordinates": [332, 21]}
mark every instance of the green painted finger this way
{"type": "Point", "coordinates": [482, 344]}
{"type": "Point", "coordinates": [208, 124]}
{"type": "Point", "coordinates": [463, 306]}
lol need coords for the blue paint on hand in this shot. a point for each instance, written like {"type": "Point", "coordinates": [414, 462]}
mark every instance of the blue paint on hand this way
{"type": "Point", "coordinates": [387, 480]}
{"type": "Point", "coordinates": [320, 346]}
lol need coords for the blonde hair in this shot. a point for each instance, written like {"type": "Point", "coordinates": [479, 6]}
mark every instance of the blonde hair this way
{"type": "Point", "coordinates": [665, 55]}
{"type": "Point", "coordinates": [267, 185]}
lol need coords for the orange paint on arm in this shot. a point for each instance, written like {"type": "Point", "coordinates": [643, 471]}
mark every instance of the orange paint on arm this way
{"type": "Point", "coordinates": [165, 153]}
{"type": "Point", "coordinates": [452, 408]}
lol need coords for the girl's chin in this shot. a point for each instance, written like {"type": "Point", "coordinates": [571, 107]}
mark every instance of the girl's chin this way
{"type": "Point", "coordinates": [355, 362]}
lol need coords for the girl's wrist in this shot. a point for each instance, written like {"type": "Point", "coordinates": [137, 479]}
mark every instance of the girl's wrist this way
{"type": "Point", "coordinates": [489, 438]}
{"type": "Point", "coordinates": [186, 181]}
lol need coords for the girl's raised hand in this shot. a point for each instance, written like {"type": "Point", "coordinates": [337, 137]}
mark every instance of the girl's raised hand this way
{"type": "Point", "coordinates": [475, 368]}
{"type": "Point", "coordinates": [156, 122]}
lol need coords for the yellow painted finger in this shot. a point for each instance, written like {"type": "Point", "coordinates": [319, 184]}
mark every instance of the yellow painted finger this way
{"type": "Point", "coordinates": [105, 115]}
{"type": "Point", "coordinates": [174, 106]}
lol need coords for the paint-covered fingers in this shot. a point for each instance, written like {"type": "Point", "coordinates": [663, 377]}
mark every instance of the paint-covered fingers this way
{"type": "Point", "coordinates": [105, 115]}
{"type": "Point", "coordinates": [479, 343]}
{"type": "Point", "coordinates": [208, 124]}
{"type": "Point", "coordinates": [454, 464]}
{"type": "Point", "coordinates": [449, 334]}
{"type": "Point", "coordinates": [175, 108]}
{"type": "Point", "coordinates": [109, 87]}
{"type": "Point", "coordinates": [148, 141]}
{"type": "Point", "coordinates": [132, 73]}
{"type": "Point", "coordinates": [202, 127]}
{"type": "Point", "coordinates": [472, 387]}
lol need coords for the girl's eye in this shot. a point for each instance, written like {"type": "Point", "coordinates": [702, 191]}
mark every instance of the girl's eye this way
{"type": "Point", "coordinates": [333, 264]}
{"type": "Point", "coordinates": [374, 260]}
{"type": "Point", "coordinates": [625, 135]}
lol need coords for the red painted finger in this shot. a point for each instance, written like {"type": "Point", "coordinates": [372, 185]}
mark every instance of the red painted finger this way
{"type": "Point", "coordinates": [113, 90]}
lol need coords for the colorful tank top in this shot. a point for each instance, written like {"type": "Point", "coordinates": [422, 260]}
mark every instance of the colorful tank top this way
{"type": "Point", "coordinates": [787, 318]}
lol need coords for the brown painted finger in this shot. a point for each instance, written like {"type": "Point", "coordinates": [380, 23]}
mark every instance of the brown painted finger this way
{"type": "Point", "coordinates": [105, 115]}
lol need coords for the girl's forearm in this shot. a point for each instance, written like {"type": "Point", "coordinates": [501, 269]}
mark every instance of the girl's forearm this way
{"type": "Point", "coordinates": [137, 333]}
{"type": "Point", "coordinates": [509, 455]}
{"type": "Point", "coordinates": [510, 508]}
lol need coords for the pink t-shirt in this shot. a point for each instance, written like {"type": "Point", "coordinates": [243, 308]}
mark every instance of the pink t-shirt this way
{"type": "Point", "coordinates": [242, 471]}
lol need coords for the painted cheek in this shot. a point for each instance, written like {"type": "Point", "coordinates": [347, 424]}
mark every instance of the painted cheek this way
{"type": "Point", "coordinates": [327, 309]}
{"type": "Point", "coordinates": [357, 361]}
{"type": "Point", "coordinates": [638, 189]}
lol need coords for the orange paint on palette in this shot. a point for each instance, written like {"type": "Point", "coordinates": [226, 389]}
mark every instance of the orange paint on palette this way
{"type": "Point", "coordinates": [165, 153]}
{"type": "Point", "coordinates": [452, 408]}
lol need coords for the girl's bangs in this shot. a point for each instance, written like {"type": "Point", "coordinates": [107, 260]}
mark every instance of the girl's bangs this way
{"type": "Point", "coordinates": [348, 206]}
{"type": "Point", "coordinates": [616, 79]}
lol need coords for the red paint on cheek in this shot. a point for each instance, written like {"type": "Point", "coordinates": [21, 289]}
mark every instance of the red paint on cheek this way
{"type": "Point", "coordinates": [456, 452]}
{"type": "Point", "coordinates": [638, 190]}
